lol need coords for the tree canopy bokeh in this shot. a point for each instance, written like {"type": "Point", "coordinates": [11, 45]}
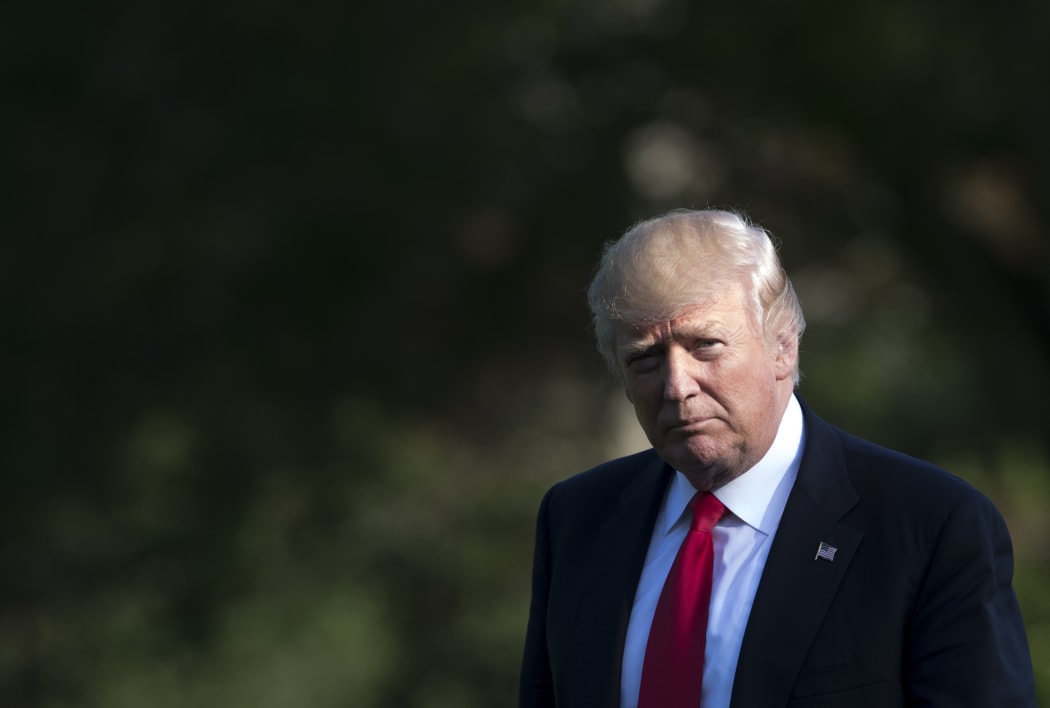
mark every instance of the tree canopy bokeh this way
{"type": "Point", "coordinates": [294, 314]}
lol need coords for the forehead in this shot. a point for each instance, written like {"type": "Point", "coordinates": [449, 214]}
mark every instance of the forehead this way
{"type": "Point", "coordinates": [725, 313]}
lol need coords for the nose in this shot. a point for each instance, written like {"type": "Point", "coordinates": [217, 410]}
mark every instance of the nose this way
{"type": "Point", "coordinates": [681, 375]}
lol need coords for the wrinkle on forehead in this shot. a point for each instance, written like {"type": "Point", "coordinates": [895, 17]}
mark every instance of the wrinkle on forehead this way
{"type": "Point", "coordinates": [722, 314]}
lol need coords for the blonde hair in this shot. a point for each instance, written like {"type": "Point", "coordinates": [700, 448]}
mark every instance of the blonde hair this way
{"type": "Point", "coordinates": [666, 264]}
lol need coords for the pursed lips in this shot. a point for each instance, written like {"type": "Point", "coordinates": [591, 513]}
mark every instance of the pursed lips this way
{"type": "Point", "coordinates": [687, 425]}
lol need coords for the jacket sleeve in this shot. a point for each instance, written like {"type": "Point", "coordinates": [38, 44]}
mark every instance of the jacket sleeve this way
{"type": "Point", "coordinates": [967, 644]}
{"type": "Point", "coordinates": [536, 688]}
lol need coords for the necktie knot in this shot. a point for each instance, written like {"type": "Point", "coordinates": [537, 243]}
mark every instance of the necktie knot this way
{"type": "Point", "coordinates": [707, 511]}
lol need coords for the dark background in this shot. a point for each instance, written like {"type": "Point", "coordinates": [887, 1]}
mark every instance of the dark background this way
{"type": "Point", "coordinates": [294, 334]}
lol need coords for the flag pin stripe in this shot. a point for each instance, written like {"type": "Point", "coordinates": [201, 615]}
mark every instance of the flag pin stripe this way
{"type": "Point", "coordinates": [825, 551]}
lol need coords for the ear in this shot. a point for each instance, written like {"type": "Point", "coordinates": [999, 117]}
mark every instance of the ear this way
{"type": "Point", "coordinates": [786, 355]}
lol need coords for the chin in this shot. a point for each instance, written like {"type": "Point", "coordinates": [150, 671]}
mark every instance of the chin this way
{"type": "Point", "coordinates": [701, 454]}
{"type": "Point", "coordinates": [704, 467]}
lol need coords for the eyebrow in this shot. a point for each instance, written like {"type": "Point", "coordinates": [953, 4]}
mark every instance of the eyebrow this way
{"type": "Point", "coordinates": [638, 346]}
{"type": "Point", "coordinates": [702, 330]}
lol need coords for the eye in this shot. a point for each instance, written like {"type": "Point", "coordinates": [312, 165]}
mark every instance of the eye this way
{"type": "Point", "coordinates": [642, 360]}
{"type": "Point", "coordinates": [707, 347]}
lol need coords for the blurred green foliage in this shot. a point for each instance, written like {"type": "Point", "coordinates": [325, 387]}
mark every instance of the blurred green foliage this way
{"type": "Point", "coordinates": [294, 323]}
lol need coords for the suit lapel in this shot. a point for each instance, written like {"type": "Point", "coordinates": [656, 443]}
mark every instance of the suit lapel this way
{"type": "Point", "coordinates": [616, 566]}
{"type": "Point", "coordinates": [796, 589]}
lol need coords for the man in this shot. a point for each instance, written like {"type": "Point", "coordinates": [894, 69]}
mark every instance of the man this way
{"type": "Point", "coordinates": [829, 571]}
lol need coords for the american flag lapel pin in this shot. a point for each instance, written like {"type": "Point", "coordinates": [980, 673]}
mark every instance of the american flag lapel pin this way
{"type": "Point", "coordinates": [825, 551]}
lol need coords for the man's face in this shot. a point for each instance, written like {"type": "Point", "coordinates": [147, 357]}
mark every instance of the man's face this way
{"type": "Point", "coordinates": [708, 389]}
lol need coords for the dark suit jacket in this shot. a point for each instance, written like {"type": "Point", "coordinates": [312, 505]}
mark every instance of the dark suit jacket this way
{"type": "Point", "coordinates": [916, 609]}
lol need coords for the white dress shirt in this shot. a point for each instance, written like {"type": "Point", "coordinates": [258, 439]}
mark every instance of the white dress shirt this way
{"type": "Point", "coordinates": [754, 503]}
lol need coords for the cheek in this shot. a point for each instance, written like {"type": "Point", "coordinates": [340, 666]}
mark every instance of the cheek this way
{"type": "Point", "coordinates": [747, 388]}
{"type": "Point", "coordinates": [646, 408]}
{"type": "Point", "coordinates": [641, 391]}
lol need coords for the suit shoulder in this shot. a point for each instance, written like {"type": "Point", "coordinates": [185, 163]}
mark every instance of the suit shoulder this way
{"type": "Point", "coordinates": [607, 478]}
{"type": "Point", "coordinates": [577, 506]}
{"type": "Point", "coordinates": [872, 467]}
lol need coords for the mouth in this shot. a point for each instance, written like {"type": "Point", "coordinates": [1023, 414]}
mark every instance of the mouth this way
{"type": "Point", "coordinates": [689, 425]}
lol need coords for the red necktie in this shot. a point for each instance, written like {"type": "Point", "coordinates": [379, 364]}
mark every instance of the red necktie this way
{"type": "Point", "coordinates": [673, 670]}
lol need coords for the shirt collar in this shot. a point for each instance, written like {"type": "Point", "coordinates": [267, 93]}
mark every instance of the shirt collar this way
{"type": "Point", "coordinates": [758, 496]}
